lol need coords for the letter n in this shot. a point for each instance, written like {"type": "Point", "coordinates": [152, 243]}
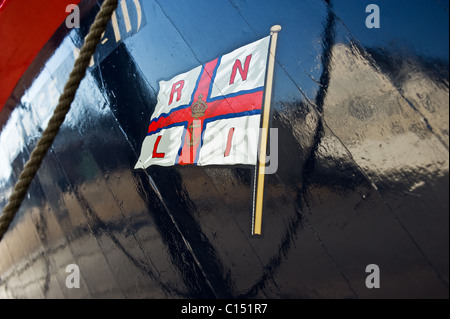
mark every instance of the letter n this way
{"type": "Point", "coordinates": [238, 65]}
{"type": "Point", "coordinates": [176, 88]}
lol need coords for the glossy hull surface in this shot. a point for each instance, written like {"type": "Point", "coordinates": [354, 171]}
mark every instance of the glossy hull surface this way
{"type": "Point", "coordinates": [363, 172]}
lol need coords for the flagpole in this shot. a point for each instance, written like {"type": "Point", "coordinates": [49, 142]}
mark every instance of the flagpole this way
{"type": "Point", "coordinates": [264, 133]}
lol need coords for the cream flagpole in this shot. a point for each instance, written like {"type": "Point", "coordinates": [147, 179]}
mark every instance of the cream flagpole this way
{"type": "Point", "coordinates": [257, 213]}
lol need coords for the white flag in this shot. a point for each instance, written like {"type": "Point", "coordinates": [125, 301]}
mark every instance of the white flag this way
{"type": "Point", "coordinates": [211, 114]}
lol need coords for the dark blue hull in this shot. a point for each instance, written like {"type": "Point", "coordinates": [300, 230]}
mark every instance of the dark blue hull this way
{"type": "Point", "coordinates": [362, 179]}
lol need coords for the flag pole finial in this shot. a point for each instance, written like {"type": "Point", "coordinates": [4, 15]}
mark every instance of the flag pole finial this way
{"type": "Point", "coordinates": [275, 28]}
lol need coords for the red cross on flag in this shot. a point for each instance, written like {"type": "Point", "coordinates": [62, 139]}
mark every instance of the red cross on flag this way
{"type": "Point", "coordinates": [211, 114]}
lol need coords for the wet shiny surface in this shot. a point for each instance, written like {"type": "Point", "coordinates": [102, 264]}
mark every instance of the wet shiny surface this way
{"type": "Point", "coordinates": [362, 179]}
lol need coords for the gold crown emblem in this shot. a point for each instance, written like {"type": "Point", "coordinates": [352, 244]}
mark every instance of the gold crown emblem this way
{"type": "Point", "coordinates": [198, 108]}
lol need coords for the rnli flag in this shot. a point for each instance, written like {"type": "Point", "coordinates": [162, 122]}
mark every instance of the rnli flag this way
{"type": "Point", "coordinates": [211, 114]}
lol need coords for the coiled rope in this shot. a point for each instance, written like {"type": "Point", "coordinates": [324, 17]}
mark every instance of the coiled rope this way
{"type": "Point", "coordinates": [59, 114]}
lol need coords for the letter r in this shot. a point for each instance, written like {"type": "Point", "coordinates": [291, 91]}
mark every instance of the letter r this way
{"type": "Point", "coordinates": [176, 88]}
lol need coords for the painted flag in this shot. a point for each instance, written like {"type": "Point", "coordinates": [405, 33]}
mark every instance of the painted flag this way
{"type": "Point", "coordinates": [211, 114]}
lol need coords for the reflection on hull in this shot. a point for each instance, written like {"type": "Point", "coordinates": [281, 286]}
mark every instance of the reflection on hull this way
{"type": "Point", "coordinates": [362, 179]}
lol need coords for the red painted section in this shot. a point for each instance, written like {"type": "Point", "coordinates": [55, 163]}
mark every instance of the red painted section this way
{"type": "Point", "coordinates": [25, 27]}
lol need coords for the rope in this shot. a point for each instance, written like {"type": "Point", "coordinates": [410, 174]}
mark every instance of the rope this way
{"type": "Point", "coordinates": [59, 114]}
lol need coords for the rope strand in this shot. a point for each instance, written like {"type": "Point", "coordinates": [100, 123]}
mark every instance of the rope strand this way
{"type": "Point", "coordinates": [65, 100]}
